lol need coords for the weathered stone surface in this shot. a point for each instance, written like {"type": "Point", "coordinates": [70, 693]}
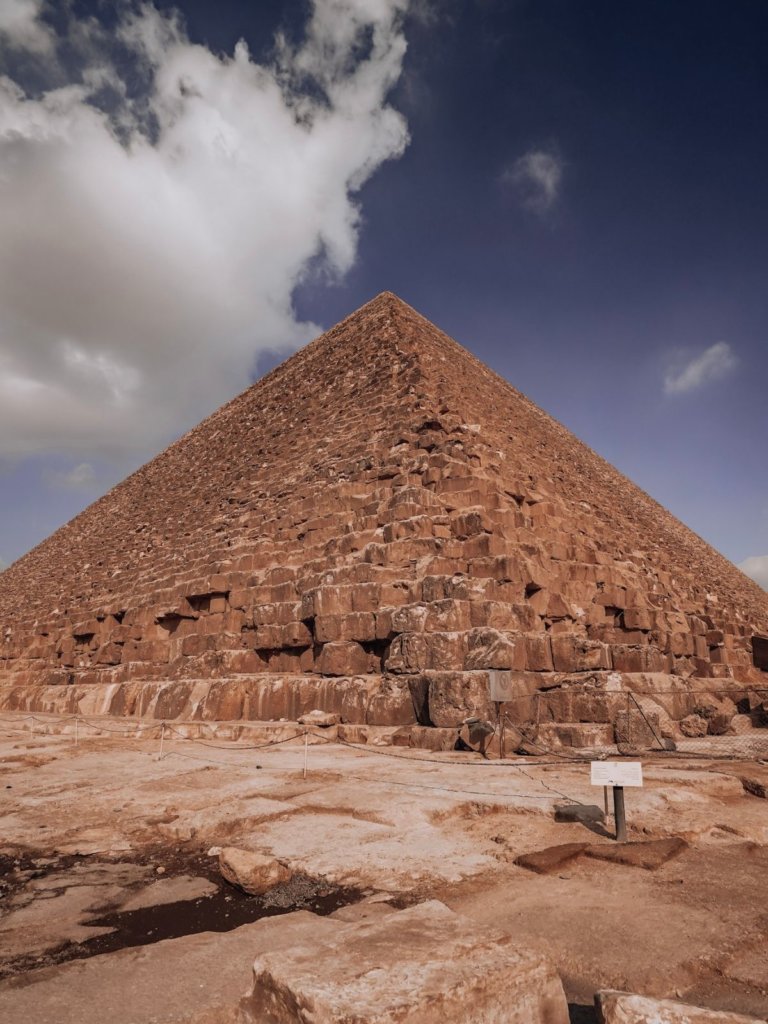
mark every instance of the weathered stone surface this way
{"type": "Point", "coordinates": [252, 872]}
{"type": "Point", "coordinates": [424, 964]}
{"type": "Point", "coordinates": [625, 1008]}
{"type": "Point", "coordinates": [325, 531]}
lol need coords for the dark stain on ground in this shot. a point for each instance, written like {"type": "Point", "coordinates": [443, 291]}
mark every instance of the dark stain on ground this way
{"type": "Point", "coordinates": [221, 911]}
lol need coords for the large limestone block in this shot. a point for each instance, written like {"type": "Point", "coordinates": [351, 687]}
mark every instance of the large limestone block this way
{"type": "Point", "coordinates": [625, 1008]}
{"type": "Point", "coordinates": [454, 696]}
{"type": "Point", "coordinates": [252, 872]}
{"type": "Point", "coordinates": [424, 964]}
{"type": "Point", "coordinates": [342, 658]}
{"type": "Point", "coordinates": [417, 652]}
{"type": "Point", "coordinates": [575, 654]}
{"type": "Point", "coordinates": [490, 648]}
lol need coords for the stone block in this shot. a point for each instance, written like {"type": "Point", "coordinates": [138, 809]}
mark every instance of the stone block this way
{"type": "Point", "coordinates": [638, 618]}
{"type": "Point", "coordinates": [410, 618]}
{"type": "Point", "coordinates": [625, 1008]}
{"type": "Point", "coordinates": [197, 644]}
{"type": "Point", "coordinates": [503, 615]}
{"type": "Point", "coordinates": [538, 653]}
{"type": "Point", "coordinates": [627, 658]}
{"type": "Point", "coordinates": [352, 626]}
{"type": "Point", "coordinates": [574, 734]}
{"type": "Point", "coordinates": [492, 649]}
{"type": "Point", "coordinates": [419, 652]}
{"type": "Point", "coordinates": [423, 965]}
{"type": "Point", "coordinates": [392, 704]}
{"type": "Point", "coordinates": [109, 654]}
{"type": "Point", "coordinates": [447, 616]}
{"type": "Point", "coordinates": [254, 873]}
{"type": "Point", "coordinates": [342, 658]}
{"type": "Point", "coordinates": [454, 696]}
{"type": "Point", "coordinates": [576, 654]}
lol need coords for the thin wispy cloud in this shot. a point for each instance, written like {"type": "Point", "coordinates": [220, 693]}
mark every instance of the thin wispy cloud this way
{"type": "Point", "coordinates": [689, 373]}
{"type": "Point", "coordinates": [80, 477]}
{"type": "Point", "coordinates": [536, 178]}
{"type": "Point", "coordinates": [160, 203]}
{"type": "Point", "coordinates": [756, 568]}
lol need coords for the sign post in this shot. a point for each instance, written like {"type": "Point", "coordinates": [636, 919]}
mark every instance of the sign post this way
{"type": "Point", "coordinates": [501, 690]}
{"type": "Point", "coordinates": [617, 775]}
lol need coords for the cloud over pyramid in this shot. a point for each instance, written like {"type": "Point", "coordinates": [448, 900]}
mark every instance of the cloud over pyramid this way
{"type": "Point", "coordinates": [370, 529]}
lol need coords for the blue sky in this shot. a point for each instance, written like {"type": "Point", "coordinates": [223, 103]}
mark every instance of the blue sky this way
{"type": "Point", "coordinates": [573, 191]}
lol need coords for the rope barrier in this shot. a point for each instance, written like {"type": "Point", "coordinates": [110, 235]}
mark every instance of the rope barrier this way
{"type": "Point", "coordinates": [304, 734]}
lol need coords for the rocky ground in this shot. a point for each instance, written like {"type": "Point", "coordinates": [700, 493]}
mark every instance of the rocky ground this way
{"type": "Point", "coordinates": [111, 888]}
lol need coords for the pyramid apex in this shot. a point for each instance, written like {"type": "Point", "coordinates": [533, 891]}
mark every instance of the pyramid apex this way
{"type": "Point", "coordinates": [385, 299]}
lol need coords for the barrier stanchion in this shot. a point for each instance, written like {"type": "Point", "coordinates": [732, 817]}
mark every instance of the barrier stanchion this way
{"type": "Point", "coordinates": [306, 751]}
{"type": "Point", "coordinates": [162, 741]}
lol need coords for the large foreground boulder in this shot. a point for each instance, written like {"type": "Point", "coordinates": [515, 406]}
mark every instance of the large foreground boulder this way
{"type": "Point", "coordinates": [626, 1008]}
{"type": "Point", "coordinates": [424, 964]}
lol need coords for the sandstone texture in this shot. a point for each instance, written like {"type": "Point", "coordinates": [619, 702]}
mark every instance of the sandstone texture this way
{"type": "Point", "coordinates": [624, 1008]}
{"type": "Point", "coordinates": [424, 965]}
{"type": "Point", "coordinates": [252, 872]}
{"type": "Point", "coordinates": [369, 531]}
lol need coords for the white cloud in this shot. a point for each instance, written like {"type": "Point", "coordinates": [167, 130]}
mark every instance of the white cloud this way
{"type": "Point", "coordinates": [81, 476]}
{"type": "Point", "coordinates": [756, 568]}
{"type": "Point", "coordinates": [536, 177]}
{"type": "Point", "coordinates": [152, 243]}
{"type": "Point", "coordinates": [689, 373]}
{"type": "Point", "coordinates": [21, 28]}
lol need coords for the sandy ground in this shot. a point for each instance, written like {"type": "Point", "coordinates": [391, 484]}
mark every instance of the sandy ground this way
{"type": "Point", "coordinates": [106, 827]}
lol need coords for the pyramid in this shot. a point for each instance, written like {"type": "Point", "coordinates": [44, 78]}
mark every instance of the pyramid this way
{"type": "Point", "coordinates": [373, 529]}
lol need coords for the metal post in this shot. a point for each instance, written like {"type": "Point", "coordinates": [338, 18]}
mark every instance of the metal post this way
{"type": "Point", "coordinates": [162, 740]}
{"type": "Point", "coordinates": [605, 803]}
{"type": "Point", "coordinates": [620, 816]}
{"type": "Point", "coordinates": [306, 751]}
{"type": "Point", "coordinates": [77, 734]}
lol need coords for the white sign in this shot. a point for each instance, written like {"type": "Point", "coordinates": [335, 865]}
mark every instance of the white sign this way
{"type": "Point", "coordinates": [617, 773]}
{"type": "Point", "coordinates": [501, 685]}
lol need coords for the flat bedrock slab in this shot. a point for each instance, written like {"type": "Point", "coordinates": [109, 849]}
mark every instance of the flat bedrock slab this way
{"type": "Point", "coordinates": [625, 1008]}
{"type": "Point", "coordinates": [424, 964]}
{"type": "Point", "coordinates": [195, 979]}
